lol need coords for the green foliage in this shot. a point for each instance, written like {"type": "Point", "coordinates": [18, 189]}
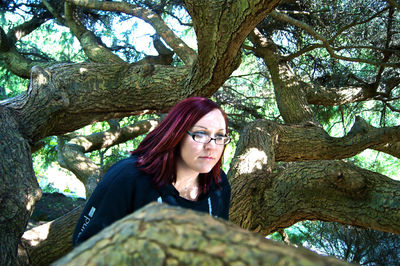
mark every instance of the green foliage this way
{"type": "Point", "coordinates": [10, 85]}
{"type": "Point", "coordinates": [352, 244]}
{"type": "Point", "coordinates": [44, 157]}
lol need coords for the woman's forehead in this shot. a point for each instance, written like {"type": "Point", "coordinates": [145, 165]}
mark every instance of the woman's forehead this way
{"type": "Point", "coordinates": [212, 120]}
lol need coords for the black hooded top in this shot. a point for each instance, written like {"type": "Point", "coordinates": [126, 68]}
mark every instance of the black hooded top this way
{"type": "Point", "coordinates": [125, 188]}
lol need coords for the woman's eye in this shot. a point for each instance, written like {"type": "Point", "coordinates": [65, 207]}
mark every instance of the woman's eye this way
{"type": "Point", "coordinates": [201, 134]}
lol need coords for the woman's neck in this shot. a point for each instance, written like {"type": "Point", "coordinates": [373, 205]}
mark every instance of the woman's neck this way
{"type": "Point", "coordinates": [187, 184]}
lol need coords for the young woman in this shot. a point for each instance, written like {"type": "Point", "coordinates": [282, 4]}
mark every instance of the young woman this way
{"type": "Point", "coordinates": [178, 163]}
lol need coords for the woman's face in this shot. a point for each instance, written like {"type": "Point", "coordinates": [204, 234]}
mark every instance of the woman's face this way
{"type": "Point", "coordinates": [199, 157]}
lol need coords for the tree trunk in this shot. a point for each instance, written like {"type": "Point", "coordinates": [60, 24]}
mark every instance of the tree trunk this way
{"type": "Point", "coordinates": [162, 235]}
{"type": "Point", "coordinates": [19, 189]}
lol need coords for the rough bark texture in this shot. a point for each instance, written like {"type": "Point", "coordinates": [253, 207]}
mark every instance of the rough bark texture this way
{"type": "Point", "coordinates": [162, 235]}
{"type": "Point", "coordinates": [49, 242]}
{"type": "Point", "coordinates": [19, 189]}
{"type": "Point", "coordinates": [66, 97]}
{"type": "Point", "coordinates": [267, 196]}
{"type": "Point", "coordinates": [71, 155]}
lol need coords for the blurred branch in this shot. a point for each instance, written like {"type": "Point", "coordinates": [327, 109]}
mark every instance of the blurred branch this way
{"type": "Point", "coordinates": [394, 3]}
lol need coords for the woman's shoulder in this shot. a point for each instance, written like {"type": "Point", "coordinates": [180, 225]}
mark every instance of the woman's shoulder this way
{"type": "Point", "coordinates": [123, 171]}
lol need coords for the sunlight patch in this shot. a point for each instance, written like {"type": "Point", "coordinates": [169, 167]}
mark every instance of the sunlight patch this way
{"type": "Point", "coordinates": [252, 160]}
{"type": "Point", "coordinates": [37, 234]}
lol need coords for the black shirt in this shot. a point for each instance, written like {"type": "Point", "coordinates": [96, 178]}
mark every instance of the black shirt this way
{"type": "Point", "coordinates": [125, 188]}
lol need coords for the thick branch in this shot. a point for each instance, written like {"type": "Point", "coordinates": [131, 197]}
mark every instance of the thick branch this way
{"type": "Point", "coordinates": [67, 97]}
{"type": "Point", "coordinates": [307, 142]}
{"type": "Point", "coordinates": [218, 53]}
{"type": "Point", "coordinates": [162, 235]}
{"type": "Point", "coordinates": [19, 189]}
{"type": "Point", "coordinates": [187, 54]}
{"type": "Point", "coordinates": [268, 196]}
{"type": "Point", "coordinates": [89, 42]}
{"type": "Point", "coordinates": [318, 190]}
{"type": "Point", "coordinates": [49, 242]}
{"type": "Point", "coordinates": [288, 87]}
{"type": "Point", "coordinates": [337, 96]}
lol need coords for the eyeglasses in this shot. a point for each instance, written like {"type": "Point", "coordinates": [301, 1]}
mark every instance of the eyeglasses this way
{"type": "Point", "coordinates": [204, 138]}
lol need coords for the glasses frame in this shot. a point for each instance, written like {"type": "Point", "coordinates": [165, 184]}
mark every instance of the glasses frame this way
{"type": "Point", "coordinates": [193, 135]}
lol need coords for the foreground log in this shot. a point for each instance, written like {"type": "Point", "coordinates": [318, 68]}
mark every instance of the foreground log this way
{"type": "Point", "coordinates": [162, 235]}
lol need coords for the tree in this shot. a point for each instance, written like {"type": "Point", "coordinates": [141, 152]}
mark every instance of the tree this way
{"type": "Point", "coordinates": [352, 244]}
{"type": "Point", "coordinates": [324, 60]}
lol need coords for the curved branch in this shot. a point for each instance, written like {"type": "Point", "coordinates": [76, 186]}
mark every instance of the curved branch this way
{"type": "Point", "coordinates": [66, 97]}
{"type": "Point", "coordinates": [187, 54]}
{"type": "Point", "coordinates": [288, 88]}
{"type": "Point", "coordinates": [16, 33]}
{"type": "Point", "coordinates": [15, 61]}
{"type": "Point", "coordinates": [72, 158]}
{"type": "Point", "coordinates": [72, 154]}
{"type": "Point", "coordinates": [92, 48]}
{"type": "Point", "coordinates": [110, 138]}
{"type": "Point", "coordinates": [268, 196]}
{"type": "Point", "coordinates": [318, 190]}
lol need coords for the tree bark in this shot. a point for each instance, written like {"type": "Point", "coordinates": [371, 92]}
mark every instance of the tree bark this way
{"type": "Point", "coordinates": [19, 189]}
{"type": "Point", "coordinates": [268, 196]}
{"type": "Point", "coordinates": [49, 242]}
{"type": "Point", "coordinates": [162, 235]}
{"type": "Point", "coordinates": [71, 155]}
{"type": "Point", "coordinates": [67, 97]}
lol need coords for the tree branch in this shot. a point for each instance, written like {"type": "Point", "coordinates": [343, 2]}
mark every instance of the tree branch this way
{"type": "Point", "coordinates": [187, 54]}
{"type": "Point", "coordinates": [319, 95]}
{"type": "Point", "coordinates": [219, 53]}
{"type": "Point", "coordinates": [66, 97]}
{"type": "Point", "coordinates": [72, 154]}
{"type": "Point", "coordinates": [15, 61]}
{"type": "Point", "coordinates": [89, 42]}
{"type": "Point", "coordinates": [266, 200]}
{"type": "Point", "coordinates": [110, 138]}
{"type": "Point", "coordinates": [325, 42]}
{"type": "Point", "coordinates": [158, 234]}
{"type": "Point", "coordinates": [53, 239]}
{"type": "Point", "coordinates": [16, 33]}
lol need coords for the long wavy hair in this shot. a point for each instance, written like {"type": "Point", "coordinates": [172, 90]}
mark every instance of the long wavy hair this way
{"type": "Point", "coordinates": [159, 151]}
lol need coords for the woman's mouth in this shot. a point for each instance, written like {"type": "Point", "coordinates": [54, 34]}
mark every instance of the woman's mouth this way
{"type": "Point", "coordinates": [207, 157]}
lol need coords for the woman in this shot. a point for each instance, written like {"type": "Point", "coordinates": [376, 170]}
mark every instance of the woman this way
{"type": "Point", "coordinates": [178, 163]}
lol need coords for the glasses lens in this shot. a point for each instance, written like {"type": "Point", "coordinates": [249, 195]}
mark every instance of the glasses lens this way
{"type": "Point", "coordinates": [201, 138]}
{"type": "Point", "coordinates": [222, 140]}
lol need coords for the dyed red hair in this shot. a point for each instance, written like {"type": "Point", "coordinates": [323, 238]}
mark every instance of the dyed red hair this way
{"type": "Point", "coordinates": [159, 150]}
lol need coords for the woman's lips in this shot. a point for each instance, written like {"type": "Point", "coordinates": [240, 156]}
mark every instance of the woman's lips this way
{"type": "Point", "coordinates": [207, 157]}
